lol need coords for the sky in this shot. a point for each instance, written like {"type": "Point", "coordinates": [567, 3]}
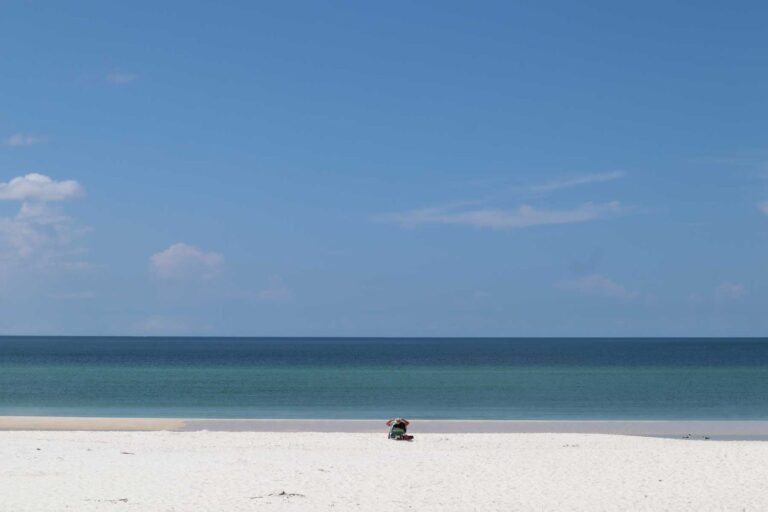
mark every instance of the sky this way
{"type": "Point", "coordinates": [384, 168]}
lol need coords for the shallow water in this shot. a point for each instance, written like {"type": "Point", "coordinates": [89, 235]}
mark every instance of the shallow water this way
{"type": "Point", "coordinates": [369, 378]}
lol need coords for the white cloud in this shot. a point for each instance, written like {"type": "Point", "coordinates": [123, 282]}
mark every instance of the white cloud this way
{"type": "Point", "coordinates": [276, 292]}
{"type": "Point", "coordinates": [38, 232]}
{"type": "Point", "coordinates": [181, 261]}
{"type": "Point", "coordinates": [121, 77]}
{"type": "Point", "coordinates": [730, 291]}
{"type": "Point", "coordinates": [763, 207]}
{"type": "Point", "coordinates": [21, 139]}
{"type": "Point", "coordinates": [598, 285]}
{"type": "Point", "coordinates": [35, 229]}
{"type": "Point", "coordinates": [38, 187]}
{"type": "Point", "coordinates": [524, 216]}
{"type": "Point", "coordinates": [574, 181]}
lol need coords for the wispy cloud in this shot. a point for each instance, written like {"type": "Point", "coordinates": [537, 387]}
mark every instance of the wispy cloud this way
{"type": "Point", "coordinates": [163, 324]}
{"type": "Point", "coordinates": [121, 77]}
{"type": "Point", "coordinates": [181, 261]}
{"type": "Point", "coordinates": [575, 181]}
{"type": "Point", "coordinates": [598, 285]}
{"type": "Point", "coordinates": [763, 207]}
{"type": "Point", "coordinates": [748, 160]}
{"type": "Point", "coordinates": [22, 139]}
{"type": "Point", "coordinates": [277, 291]}
{"type": "Point", "coordinates": [73, 296]}
{"type": "Point", "coordinates": [724, 292]}
{"type": "Point", "coordinates": [521, 217]}
{"type": "Point", "coordinates": [730, 291]}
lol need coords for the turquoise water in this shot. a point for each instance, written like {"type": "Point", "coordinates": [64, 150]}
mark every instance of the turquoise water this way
{"type": "Point", "coordinates": [370, 378]}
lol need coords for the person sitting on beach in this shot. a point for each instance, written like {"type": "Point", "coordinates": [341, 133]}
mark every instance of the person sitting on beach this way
{"type": "Point", "coordinates": [398, 428]}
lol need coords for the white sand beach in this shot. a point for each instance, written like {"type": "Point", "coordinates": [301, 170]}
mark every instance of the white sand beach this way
{"type": "Point", "coordinates": [244, 471]}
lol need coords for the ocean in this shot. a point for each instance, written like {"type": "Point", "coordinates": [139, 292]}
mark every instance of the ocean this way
{"type": "Point", "coordinates": [467, 378]}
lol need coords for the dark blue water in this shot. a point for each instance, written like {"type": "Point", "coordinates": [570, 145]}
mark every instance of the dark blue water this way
{"type": "Point", "coordinates": [371, 378]}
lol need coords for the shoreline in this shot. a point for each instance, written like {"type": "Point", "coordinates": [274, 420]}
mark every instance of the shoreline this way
{"type": "Point", "coordinates": [714, 429]}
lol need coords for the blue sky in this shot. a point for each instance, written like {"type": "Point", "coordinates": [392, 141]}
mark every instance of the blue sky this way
{"type": "Point", "coordinates": [384, 169]}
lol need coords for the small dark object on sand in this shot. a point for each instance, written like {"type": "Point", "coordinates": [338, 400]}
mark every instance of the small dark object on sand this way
{"type": "Point", "coordinates": [127, 453]}
{"type": "Point", "coordinates": [398, 428]}
{"type": "Point", "coordinates": [281, 493]}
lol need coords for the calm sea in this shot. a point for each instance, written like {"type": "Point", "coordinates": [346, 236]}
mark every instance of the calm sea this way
{"type": "Point", "coordinates": [372, 378]}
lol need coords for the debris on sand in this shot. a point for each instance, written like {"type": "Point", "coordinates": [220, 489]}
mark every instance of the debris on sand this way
{"type": "Point", "coordinates": [281, 494]}
{"type": "Point", "coordinates": [118, 500]}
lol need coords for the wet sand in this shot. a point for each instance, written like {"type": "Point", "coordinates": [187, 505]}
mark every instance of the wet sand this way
{"type": "Point", "coordinates": [713, 429]}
